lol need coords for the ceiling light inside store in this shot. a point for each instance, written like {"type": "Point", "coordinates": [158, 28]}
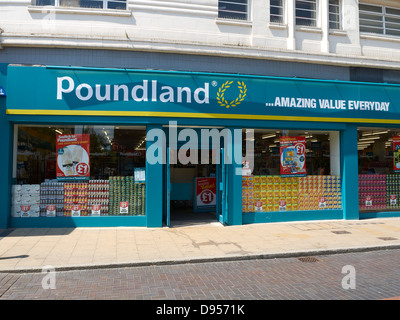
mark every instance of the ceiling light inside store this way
{"type": "Point", "coordinates": [373, 133]}
{"type": "Point", "coordinates": [58, 131]}
{"type": "Point", "coordinates": [369, 139]}
{"type": "Point", "coordinates": [267, 136]}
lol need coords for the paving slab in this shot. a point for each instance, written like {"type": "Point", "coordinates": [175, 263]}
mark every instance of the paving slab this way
{"type": "Point", "coordinates": [30, 249]}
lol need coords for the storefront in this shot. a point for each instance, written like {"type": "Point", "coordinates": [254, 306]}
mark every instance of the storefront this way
{"type": "Point", "coordinates": [116, 147]}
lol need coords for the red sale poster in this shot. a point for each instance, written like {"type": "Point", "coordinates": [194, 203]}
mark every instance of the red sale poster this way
{"type": "Point", "coordinates": [73, 155]}
{"type": "Point", "coordinates": [206, 192]}
{"type": "Point", "coordinates": [293, 156]}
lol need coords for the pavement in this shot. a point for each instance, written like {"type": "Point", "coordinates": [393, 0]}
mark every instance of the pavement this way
{"type": "Point", "coordinates": [31, 249]}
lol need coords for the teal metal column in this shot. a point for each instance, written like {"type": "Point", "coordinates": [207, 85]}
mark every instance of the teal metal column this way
{"type": "Point", "coordinates": [235, 179]}
{"type": "Point", "coordinates": [349, 172]}
{"type": "Point", "coordinates": [154, 188]}
{"type": "Point", "coordinates": [6, 149]}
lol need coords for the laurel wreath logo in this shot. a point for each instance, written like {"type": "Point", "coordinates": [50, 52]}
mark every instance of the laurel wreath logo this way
{"type": "Point", "coordinates": [221, 92]}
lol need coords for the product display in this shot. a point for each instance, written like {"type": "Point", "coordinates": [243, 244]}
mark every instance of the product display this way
{"type": "Point", "coordinates": [393, 191]}
{"type": "Point", "coordinates": [276, 193]}
{"type": "Point", "coordinates": [379, 191]}
{"type": "Point", "coordinates": [372, 191]}
{"type": "Point", "coordinates": [25, 200]}
{"type": "Point", "coordinates": [52, 199]}
{"type": "Point", "coordinates": [126, 196]}
{"type": "Point", "coordinates": [116, 196]}
{"type": "Point", "coordinates": [76, 199]}
{"type": "Point", "coordinates": [98, 197]}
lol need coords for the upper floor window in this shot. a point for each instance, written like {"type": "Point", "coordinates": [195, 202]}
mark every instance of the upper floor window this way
{"type": "Point", "coordinates": [233, 9]}
{"type": "Point", "coordinates": [379, 19]}
{"type": "Point", "coordinates": [102, 4]}
{"type": "Point", "coordinates": [306, 13]}
{"type": "Point", "coordinates": [335, 20]}
{"type": "Point", "coordinates": [276, 11]}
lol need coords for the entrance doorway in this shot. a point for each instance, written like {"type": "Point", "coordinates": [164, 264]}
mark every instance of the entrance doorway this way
{"type": "Point", "coordinates": [195, 193]}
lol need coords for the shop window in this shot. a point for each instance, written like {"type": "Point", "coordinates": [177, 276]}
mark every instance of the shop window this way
{"type": "Point", "coordinates": [335, 19]}
{"type": "Point", "coordinates": [379, 19]}
{"type": "Point", "coordinates": [233, 9]}
{"type": "Point", "coordinates": [78, 171]}
{"type": "Point", "coordinates": [379, 169]}
{"type": "Point", "coordinates": [306, 13]}
{"type": "Point", "coordinates": [292, 171]}
{"type": "Point", "coordinates": [276, 11]}
{"type": "Point", "coordinates": [102, 4]}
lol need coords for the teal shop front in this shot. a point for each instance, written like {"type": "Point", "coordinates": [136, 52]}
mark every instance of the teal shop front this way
{"type": "Point", "coordinates": [127, 116]}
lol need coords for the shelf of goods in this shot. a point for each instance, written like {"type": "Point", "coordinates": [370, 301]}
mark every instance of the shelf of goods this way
{"type": "Point", "coordinates": [52, 198]}
{"type": "Point", "coordinates": [277, 193]}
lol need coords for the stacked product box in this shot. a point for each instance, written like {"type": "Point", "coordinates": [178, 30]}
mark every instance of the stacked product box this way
{"type": "Point", "coordinates": [393, 191]}
{"type": "Point", "coordinates": [98, 197]}
{"type": "Point", "coordinates": [269, 193]}
{"type": "Point", "coordinates": [25, 200]}
{"type": "Point", "coordinates": [75, 199]}
{"type": "Point", "coordinates": [51, 198]}
{"type": "Point", "coordinates": [126, 197]}
{"type": "Point", "coordinates": [372, 191]}
{"type": "Point", "coordinates": [277, 193]}
{"type": "Point", "coordinates": [319, 192]}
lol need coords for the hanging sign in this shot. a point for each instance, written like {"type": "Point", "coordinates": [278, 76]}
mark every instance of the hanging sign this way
{"type": "Point", "coordinates": [293, 156]}
{"type": "Point", "coordinates": [205, 192]}
{"type": "Point", "coordinates": [396, 153]}
{"type": "Point", "coordinates": [73, 152]}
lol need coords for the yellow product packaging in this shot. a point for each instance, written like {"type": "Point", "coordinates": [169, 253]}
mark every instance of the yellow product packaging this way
{"type": "Point", "coordinates": [245, 208]}
{"type": "Point", "coordinates": [257, 195]}
{"type": "Point", "coordinates": [277, 193]}
{"type": "Point", "coordinates": [264, 179]}
{"type": "Point", "coordinates": [264, 194]}
{"type": "Point", "coordinates": [256, 179]}
{"type": "Point", "coordinates": [250, 208]}
{"type": "Point", "coordinates": [270, 194]}
{"type": "Point", "coordinates": [283, 194]}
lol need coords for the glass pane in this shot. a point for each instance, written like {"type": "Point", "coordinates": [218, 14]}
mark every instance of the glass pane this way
{"type": "Point", "coordinates": [276, 11]}
{"type": "Point", "coordinates": [379, 184]}
{"type": "Point", "coordinates": [267, 190]}
{"type": "Point", "coordinates": [91, 4]}
{"type": "Point", "coordinates": [45, 2]}
{"type": "Point", "coordinates": [115, 159]}
{"type": "Point", "coordinates": [306, 13]}
{"type": "Point", "coordinates": [118, 4]}
{"type": "Point", "coordinates": [365, 7]}
{"type": "Point", "coordinates": [234, 9]}
{"type": "Point", "coordinates": [69, 3]}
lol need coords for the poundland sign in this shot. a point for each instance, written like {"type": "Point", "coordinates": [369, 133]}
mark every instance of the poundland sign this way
{"type": "Point", "coordinates": [85, 91]}
{"type": "Point", "coordinates": [142, 92]}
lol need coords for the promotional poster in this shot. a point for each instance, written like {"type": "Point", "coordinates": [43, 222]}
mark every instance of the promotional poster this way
{"type": "Point", "coordinates": [73, 156]}
{"type": "Point", "coordinates": [293, 156]}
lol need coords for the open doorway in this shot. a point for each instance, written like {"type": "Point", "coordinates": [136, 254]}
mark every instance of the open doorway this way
{"type": "Point", "coordinates": [193, 193]}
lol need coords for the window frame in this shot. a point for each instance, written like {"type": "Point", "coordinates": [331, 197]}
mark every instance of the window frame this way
{"type": "Point", "coordinates": [337, 14]}
{"type": "Point", "coordinates": [105, 4]}
{"type": "Point", "coordinates": [314, 21]}
{"type": "Point", "coordinates": [282, 16]}
{"type": "Point", "coordinates": [383, 22]}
